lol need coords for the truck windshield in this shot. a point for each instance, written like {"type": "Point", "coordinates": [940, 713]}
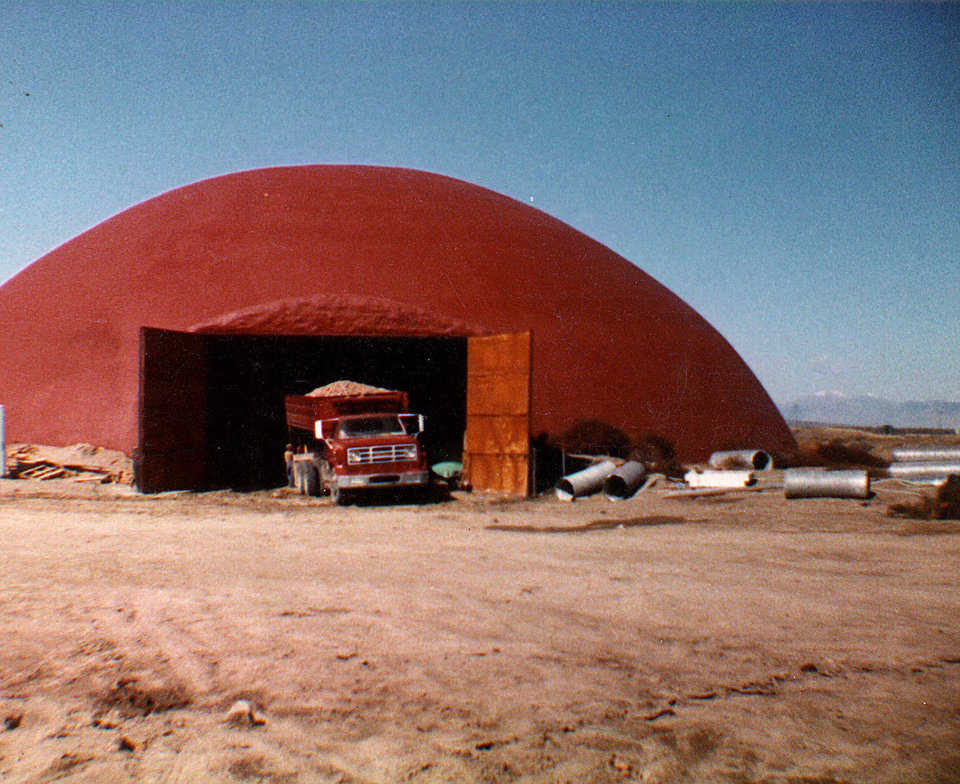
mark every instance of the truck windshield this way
{"type": "Point", "coordinates": [365, 427]}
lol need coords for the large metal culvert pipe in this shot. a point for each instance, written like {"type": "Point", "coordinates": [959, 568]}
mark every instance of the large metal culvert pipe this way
{"type": "Point", "coordinates": [584, 482]}
{"type": "Point", "coordinates": [925, 472]}
{"type": "Point", "coordinates": [756, 459]}
{"type": "Point", "coordinates": [927, 454]}
{"type": "Point", "coordinates": [625, 481]}
{"type": "Point", "coordinates": [820, 483]}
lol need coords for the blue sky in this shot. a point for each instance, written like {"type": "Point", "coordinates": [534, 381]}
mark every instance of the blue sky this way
{"type": "Point", "coordinates": [790, 170]}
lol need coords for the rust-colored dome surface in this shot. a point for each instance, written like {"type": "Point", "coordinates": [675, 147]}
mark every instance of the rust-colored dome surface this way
{"type": "Point", "coordinates": [416, 253]}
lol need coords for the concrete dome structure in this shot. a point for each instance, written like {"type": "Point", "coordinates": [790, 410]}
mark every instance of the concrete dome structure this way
{"type": "Point", "coordinates": [265, 263]}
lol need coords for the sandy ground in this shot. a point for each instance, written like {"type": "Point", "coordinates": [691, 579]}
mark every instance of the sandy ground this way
{"type": "Point", "coordinates": [738, 638]}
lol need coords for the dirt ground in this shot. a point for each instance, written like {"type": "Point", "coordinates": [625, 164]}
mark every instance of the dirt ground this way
{"type": "Point", "coordinates": [732, 638]}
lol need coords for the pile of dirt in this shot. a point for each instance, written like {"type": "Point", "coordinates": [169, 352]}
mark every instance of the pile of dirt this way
{"type": "Point", "coordinates": [341, 388]}
{"type": "Point", "coordinates": [946, 502]}
{"type": "Point", "coordinates": [841, 454]}
{"type": "Point", "coordinates": [131, 698]}
{"type": "Point", "coordinates": [845, 446]}
{"type": "Point", "coordinates": [657, 455]}
{"type": "Point", "coordinates": [593, 437]}
{"type": "Point", "coordinates": [839, 448]}
{"type": "Point", "coordinates": [943, 504]}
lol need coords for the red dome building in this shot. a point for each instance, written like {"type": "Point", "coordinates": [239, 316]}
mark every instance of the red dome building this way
{"type": "Point", "coordinates": [173, 329]}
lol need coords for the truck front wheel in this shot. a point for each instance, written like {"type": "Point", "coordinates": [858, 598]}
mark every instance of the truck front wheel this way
{"type": "Point", "coordinates": [338, 496]}
{"type": "Point", "coordinates": [311, 481]}
{"type": "Point", "coordinates": [298, 477]}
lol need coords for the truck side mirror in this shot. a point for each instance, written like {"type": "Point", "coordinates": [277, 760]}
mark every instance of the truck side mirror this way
{"type": "Point", "coordinates": [421, 420]}
{"type": "Point", "coordinates": [412, 423]}
{"type": "Point", "coordinates": [324, 429]}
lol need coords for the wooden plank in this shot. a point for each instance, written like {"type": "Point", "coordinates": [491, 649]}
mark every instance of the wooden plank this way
{"type": "Point", "coordinates": [49, 472]}
{"type": "Point", "coordinates": [33, 469]}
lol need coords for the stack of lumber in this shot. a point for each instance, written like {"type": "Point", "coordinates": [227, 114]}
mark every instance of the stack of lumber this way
{"type": "Point", "coordinates": [81, 463]}
{"type": "Point", "coordinates": [24, 468]}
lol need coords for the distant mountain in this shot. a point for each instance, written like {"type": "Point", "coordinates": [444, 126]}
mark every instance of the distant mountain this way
{"type": "Point", "coordinates": [865, 411]}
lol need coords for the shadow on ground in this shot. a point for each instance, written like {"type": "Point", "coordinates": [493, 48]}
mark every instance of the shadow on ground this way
{"type": "Point", "coordinates": [594, 525]}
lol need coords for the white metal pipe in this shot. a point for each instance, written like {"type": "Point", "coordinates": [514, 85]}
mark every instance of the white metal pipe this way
{"type": "Point", "coordinates": [584, 482]}
{"type": "Point", "coordinates": [926, 454]}
{"type": "Point", "coordinates": [625, 481]}
{"type": "Point", "coordinates": [933, 471]}
{"type": "Point", "coordinates": [755, 459]}
{"type": "Point", "coordinates": [820, 483]}
{"type": "Point", "coordinates": [719, 478]}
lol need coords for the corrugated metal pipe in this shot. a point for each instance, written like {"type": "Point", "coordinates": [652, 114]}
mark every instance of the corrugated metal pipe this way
{"type": "Point", "coordinates": [928, 454]}
{"type": "Point", "coordinates": [625, 481]}
{"type": "Point", "coordinates": [719, 478]}
{"type": "Point", "coordinates": [584, 482]}
{"type": "Point", "coordinates": [933, 473]}
{"type": "Point", "coordinates": [820, 483]}
{"type": "Point", "coordinates": [756, 459]}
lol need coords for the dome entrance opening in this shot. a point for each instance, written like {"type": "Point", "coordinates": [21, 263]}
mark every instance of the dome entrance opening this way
{"type": "Point", "coordinates": [212, 411]}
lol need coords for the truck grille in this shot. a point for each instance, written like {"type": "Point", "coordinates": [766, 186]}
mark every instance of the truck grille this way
{"type": "Point", "coordinates": [390, 453]}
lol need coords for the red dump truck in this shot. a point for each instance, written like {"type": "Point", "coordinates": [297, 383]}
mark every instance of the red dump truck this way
{"type": "Point", "coordinates": [348, 437]}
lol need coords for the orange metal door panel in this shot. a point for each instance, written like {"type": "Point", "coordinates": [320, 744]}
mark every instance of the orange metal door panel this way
{"type": "Point", "coordinates": [503, 394]}
{"type": "Point", "coordinates": [500, 353]}
{"type": "Point", "coordinates": [508, 474]}
{"type": "Point", "coordinates": [497, 441]}
{"type": "Point", "coordinates": [507, 435]}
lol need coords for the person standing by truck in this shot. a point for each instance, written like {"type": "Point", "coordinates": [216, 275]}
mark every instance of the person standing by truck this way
{"type": "Point", "coordinates": [288, 459]}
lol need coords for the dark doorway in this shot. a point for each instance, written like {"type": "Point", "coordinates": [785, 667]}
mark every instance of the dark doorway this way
{"type": "Point", "coordinates": [241, 409]}
{"type": "Point", "coordinates": [172, 418]}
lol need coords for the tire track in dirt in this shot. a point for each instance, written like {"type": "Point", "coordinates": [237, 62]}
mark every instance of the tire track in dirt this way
{"type": "Point", "coordinates": [155, 661]}
{"type": "Point", "coordinates": [770, 686]}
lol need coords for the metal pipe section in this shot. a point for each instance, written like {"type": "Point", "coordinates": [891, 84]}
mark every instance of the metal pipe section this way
{"type": "Point", "coordinates": [756, 459]}
{"type": "Point", "coordinates": [584, 482]}
{"type": "Point", "coordinates": [925, 472]}
{"type": "Point", "coordinates": [927, 454]}
{"type": "Point", "coordinates": [820, 483]}
{"type": "Point", "coordinates": [719, 478]}
{"type": "Point", "coordinates": [625, 481]}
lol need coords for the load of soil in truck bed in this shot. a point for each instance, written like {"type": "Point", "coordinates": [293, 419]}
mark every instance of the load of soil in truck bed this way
{"type": "Point", "coordinates": [345, 388]}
